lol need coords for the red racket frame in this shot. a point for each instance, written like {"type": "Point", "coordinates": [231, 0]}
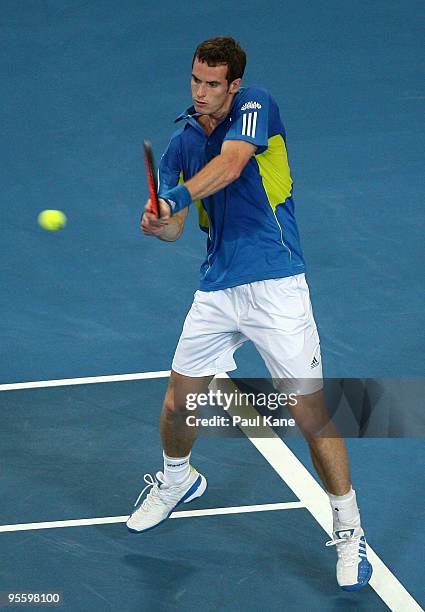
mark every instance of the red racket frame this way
{"type": "Point", "coordinates": [151, 176]}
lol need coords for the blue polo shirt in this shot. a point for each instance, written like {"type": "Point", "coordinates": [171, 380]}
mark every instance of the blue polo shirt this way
{"type": "Point", "coordinates": [252, 232]}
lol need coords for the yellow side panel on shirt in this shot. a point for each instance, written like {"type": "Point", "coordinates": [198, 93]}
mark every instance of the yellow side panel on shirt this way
{"type": "Point", "coordinates": [274, 170]}
{"type": "Point", "coordinates": [202, 213]}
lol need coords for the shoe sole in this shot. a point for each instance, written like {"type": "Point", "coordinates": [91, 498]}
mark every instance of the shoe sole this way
{"type": "Point", "coordinates": [357, 587]}
{"type": "Point", "coordinates": [187, 498]}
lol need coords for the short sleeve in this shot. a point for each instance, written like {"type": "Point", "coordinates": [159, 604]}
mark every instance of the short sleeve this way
{"type": "Point", "coordinates": [250, 117]}
{"type": "Point", "coordinates": [170, 167]}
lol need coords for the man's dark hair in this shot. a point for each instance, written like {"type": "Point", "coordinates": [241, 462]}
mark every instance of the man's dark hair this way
{"type": "Point", "coordinates": [223, 50]}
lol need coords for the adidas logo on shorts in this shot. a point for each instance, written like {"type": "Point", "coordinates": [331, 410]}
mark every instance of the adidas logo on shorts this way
{"type": "Point", "coordinates": [314, 363]}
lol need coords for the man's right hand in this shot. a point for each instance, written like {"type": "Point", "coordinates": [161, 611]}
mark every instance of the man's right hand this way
{"type": "Point", "coordinates": [150, 224]}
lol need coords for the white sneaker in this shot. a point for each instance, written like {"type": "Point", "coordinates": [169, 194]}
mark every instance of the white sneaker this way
{"type": "Point", "coordinates": [353, 570]}
{"type": "Point", "coordinates": [163, 498]}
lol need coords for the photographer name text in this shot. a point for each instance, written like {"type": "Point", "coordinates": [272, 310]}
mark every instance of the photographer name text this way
{"type": "Point", "coordinates": [234, 421]}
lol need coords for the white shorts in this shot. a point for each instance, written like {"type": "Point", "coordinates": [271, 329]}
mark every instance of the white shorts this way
{"type": "Point", "coordinates": [275, 314]}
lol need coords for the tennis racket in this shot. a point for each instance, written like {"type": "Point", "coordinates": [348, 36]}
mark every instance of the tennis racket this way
{"type": "Point", "coordinates": [151, 176]}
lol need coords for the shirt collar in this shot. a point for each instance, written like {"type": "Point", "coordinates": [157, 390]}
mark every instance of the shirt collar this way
{"type": "Point", "coordinates": [188, 114]}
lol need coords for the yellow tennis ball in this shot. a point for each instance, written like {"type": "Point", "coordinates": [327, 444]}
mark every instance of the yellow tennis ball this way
{"type": "Point", "coordinates": [52, 220]}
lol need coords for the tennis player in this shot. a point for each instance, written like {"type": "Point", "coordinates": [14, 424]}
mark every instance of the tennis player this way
{"type": "Point", "coordinates": [229, 158]}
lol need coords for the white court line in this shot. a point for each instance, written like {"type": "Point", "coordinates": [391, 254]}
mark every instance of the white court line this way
{"type": "Point", "coordinates": [108, 520]}
{"type": "Point", "coordinates": [90, 380]}
{"type": "Point", "coordinates": [316, 501]}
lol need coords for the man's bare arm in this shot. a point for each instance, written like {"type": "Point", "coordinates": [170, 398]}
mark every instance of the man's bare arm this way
{"type": "Point", "coordinates": [166, 228]}
{"type": "Point", "coordinates": [217, 174]}
{"type": "Point", "coordinates": [222, 170]}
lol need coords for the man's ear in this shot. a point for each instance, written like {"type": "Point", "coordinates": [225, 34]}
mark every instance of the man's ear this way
{"type": "Point", "coordinates": [235, 86]}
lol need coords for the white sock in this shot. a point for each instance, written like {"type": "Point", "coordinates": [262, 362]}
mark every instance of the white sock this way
{"type": "Point", "coordinates": [344, 510]}
{"type": "Point", "coordinates": [176, 469]}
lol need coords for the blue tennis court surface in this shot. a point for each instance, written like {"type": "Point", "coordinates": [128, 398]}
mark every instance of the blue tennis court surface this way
{"type": "Point", "coordinates": [84, 84]}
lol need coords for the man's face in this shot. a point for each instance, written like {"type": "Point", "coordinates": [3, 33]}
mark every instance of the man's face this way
{"type": "Point", "coordinates": [211, 92]}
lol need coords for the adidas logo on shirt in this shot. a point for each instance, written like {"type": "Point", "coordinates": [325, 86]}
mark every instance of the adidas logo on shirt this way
{"type": "Point", "coordinates": [249, 124]}
{"type": "Point", "coordinates": [250, 104]}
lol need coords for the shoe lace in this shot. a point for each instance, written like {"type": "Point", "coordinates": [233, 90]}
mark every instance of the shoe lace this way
{"type": "Point", "coordinates": [157, 493]}
{"type": "Point", "coordinates": [152, 483]}
{"type": "Point", "coordinates": [347, 549]}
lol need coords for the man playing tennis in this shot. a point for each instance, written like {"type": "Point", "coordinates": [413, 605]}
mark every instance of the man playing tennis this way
{"type": "Point", "coordinates": [230, 159]}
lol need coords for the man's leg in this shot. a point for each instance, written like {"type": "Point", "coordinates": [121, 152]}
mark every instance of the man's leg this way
{"type": "Point", "coordinates": [177, 436]}
{"type": "Point", "coordinates": [280, 322]}
{"type": "Point", "coordinates": [329, 457]}
{"type": "Point", "coordinates": [330, 460]}
{"type": "Point", "coordinates": [209, 338]}
{"type": "Point", "coordinates": [327, 448]}
{"type": "Point", "coordinates": [179, 483]}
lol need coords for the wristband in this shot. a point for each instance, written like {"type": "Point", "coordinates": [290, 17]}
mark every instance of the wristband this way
{"type": "Point", "coordinates": [179, 197]}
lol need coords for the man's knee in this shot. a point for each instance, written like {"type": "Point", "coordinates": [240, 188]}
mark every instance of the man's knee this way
{"type": "Point", "coordinates": [310, 414]}
{"type": "Point", "coordinates": [174, 399]}
{"type": "Point", "coordinates": [181, 392]}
